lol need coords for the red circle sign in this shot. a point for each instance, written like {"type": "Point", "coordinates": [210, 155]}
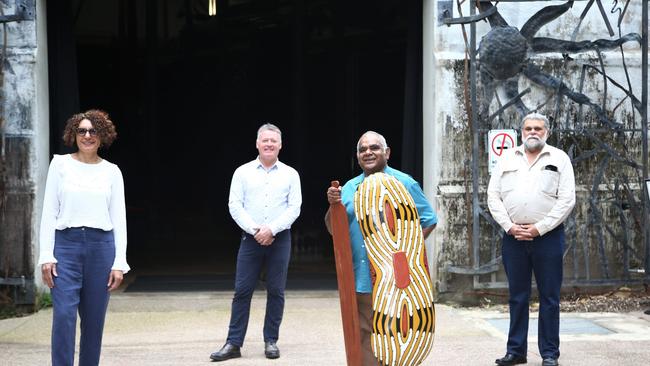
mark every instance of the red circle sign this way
{"type": "Point", "coordinates": [500, 142]}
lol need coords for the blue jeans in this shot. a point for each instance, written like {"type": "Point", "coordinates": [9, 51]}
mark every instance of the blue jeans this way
{"type": "Point", "coordinates": [543, 257]}
{"type": "Point", "coordinates": [250, 259]}
{"type": "Point", "coordinates": [85, 257]}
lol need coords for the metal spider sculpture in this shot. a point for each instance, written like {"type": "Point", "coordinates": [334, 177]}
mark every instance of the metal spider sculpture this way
{"type": "Point", "coordinates": [504, 51]}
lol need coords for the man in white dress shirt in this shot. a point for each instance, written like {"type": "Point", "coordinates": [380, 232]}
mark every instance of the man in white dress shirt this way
{"type": "Point", "coordinates": [530, 194]}
{"type": "Point", "coordinates": [264, 201]}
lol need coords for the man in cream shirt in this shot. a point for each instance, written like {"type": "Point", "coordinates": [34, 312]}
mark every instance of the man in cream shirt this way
{"type": "Point", "coordinates": [531, 193]}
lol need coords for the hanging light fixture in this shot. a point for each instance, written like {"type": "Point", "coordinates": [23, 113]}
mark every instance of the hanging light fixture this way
{"type": "Point", "coordinates": [212, 7]}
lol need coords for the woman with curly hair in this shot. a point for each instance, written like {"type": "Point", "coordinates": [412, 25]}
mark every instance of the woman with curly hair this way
{"type": "Point", "coordinates": [82, 237]}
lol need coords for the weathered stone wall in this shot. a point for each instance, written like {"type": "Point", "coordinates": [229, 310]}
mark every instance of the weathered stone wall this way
{"type": "Point", "coordinates": [17, 153]}
{"type": "Point", "coordinates": [452, 138]}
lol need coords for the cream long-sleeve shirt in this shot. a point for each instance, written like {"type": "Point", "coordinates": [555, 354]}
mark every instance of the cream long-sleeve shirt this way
{"type": "Point", "coordinates": [260, 196]}
{"type": "Point", "coordinates": [79, 194]}
{"type": "Point", "coordinates": [541, 193]}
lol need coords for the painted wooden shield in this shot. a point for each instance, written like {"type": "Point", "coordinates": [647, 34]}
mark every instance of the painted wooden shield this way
{"type": "Point", "coordinates": [402, 293]}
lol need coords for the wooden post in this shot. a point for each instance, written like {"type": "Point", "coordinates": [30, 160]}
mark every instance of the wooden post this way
{"type": "Point", "coordinates": [345, 279]}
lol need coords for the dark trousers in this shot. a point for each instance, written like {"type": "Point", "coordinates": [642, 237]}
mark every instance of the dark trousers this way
{"type": "Point", "coordinates": [250, 259]}
{"type": "Point", "coordinates": [85, 257]}
{"type": "Point", "coordinates": [543, 257]}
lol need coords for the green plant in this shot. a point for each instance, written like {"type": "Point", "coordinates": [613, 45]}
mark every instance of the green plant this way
{"type": "Point", "coordinates": [43, 301]}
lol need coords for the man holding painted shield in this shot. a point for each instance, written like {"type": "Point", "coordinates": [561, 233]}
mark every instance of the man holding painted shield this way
{"type": "Point", "coordinates": [530, 194]}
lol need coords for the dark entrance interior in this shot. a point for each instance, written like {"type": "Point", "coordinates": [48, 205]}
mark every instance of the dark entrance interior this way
{"type": "Point", "coordinates": [188, 90]}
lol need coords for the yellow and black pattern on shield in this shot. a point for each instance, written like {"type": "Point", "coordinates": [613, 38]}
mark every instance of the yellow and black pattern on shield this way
{"type": "Point", "coordinates": [403, 318]}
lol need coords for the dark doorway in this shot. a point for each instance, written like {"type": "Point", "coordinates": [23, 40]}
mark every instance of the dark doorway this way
{"type": "Point", "coordinates": [188, 91]}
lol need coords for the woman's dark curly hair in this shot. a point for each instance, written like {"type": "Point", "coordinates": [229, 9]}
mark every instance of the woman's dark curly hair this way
{"type": "Point", "coordinates": [100, 121]}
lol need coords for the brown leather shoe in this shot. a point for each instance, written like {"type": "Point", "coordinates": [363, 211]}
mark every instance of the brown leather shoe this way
{"type": "Point", "coordinates": [271, 350]}
{"type": "Point", "coordinates": [226, 352]}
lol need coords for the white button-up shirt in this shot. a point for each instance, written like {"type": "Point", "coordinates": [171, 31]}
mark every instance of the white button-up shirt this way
{"type": "Point", "coordinates": [260, 196]}
{"type": "Point", "coordinates": [79, 194]}
{"type": "Point", "coordinates": [541, 193]}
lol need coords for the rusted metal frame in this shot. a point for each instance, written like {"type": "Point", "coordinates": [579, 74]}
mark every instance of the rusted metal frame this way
{"type": "Point", "coordinates": [558, 103]}
{"type": "Point", "coordinates": [644, 131]}
{"type": "Point", "coordinates": [603, 146]}
{"type": "Point", "coordinates": [574, 35]}
{"type": "Point", "coordinates": [627, 196]}
{"type": "Point", "coordinates": [636, 103]}
{"type": "Point", "coordinates": [602, 12]}
{"type": "Point", "coordinates": [497, 236]}
{"type": "Point", "coordinates": [571, 232]}
{"type": "Point", "coordinates": [567, 283]}
{"type": "Point", "coordinates": [470, 19]}
{"type": "Point", "coordinates": [487, 268]}
{"type": "Point", "coordinates": [595, 215]}
{"type": "Point", "coordinates": [618, 205]}
{"type": "Point", "coordinates": [581, 85]}
{"type": "Point", "coordinates": [488, 218]}
{"type": "Point", "coordinates": [475, 146]}
{"type": "Point", "coordinates": [621, 14]}
{"type": "Point", "coordinates": [507, 105]}
{"type": "Point", "coordinates": [611, 152]}
{"type": "Point", "coordinates": [585, 252]}
{"type": "Point", "coordinates": [571, 229]}
{"type": "Point", "coordinates": [602, 66]}
{"type": "Point", "coordinates": [596, 130]}
{"type": "Point", "coordinates": [627, 74]}
{"type": "Point", "coordinates": [625, 240]}
{"type": "Point", "coordinates": [636, 209]}
{"type": "Point", "coordinates": [621, 103]}
{"type": "Point", "coordinates": [602, 282]}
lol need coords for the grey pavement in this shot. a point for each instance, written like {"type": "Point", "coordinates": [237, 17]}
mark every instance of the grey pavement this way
{"type": "Point", "coordinates": [184, 328]}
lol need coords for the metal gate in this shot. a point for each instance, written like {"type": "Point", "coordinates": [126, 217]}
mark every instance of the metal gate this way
{"type": "Point", "coordinates": [607, 235]}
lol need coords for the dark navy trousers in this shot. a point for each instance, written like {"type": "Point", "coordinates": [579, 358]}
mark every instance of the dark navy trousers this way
{"type": "Point", "coordinates": [85, 257]}
{"type": "Point", "coordinates": [251, 258]}
{"type": "Point", "coordinates": [543, 257]}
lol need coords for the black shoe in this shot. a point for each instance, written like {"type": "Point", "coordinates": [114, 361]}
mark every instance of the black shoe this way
{"type": "Point", "coordinates": [549, 361]}
{"type": "Point", "coordinates": [510, 359]}
{"type": "Point", "coordinates": [226, 352]}
{"type": "Point", "coordinates": [271, 350]}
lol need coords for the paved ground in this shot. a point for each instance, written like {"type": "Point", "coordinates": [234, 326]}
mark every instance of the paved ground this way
{"type": "Point", "coordinates": [183, 328]}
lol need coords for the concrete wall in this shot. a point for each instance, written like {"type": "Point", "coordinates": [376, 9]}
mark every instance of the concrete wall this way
{"type": "Point", "coordinates": [448, 140]}
{"type": "Point", "coordinates": [42, 142]}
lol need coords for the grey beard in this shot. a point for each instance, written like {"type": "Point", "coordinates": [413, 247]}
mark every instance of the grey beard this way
{"type": "Point", "coordinates": [533, 144]}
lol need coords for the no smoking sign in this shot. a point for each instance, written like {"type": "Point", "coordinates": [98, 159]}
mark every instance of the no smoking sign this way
{"type": "Point", "coordinates": [498, 142]}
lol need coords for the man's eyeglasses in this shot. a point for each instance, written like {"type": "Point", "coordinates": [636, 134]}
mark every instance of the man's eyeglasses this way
{"type": "Point", "coordinates": [83, 131]}
{"type": "Point", "coordinates": [373, 148]}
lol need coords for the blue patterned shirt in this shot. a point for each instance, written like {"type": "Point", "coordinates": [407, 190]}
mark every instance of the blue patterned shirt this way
{"type": "Point", "coordinates": [359, 256]}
